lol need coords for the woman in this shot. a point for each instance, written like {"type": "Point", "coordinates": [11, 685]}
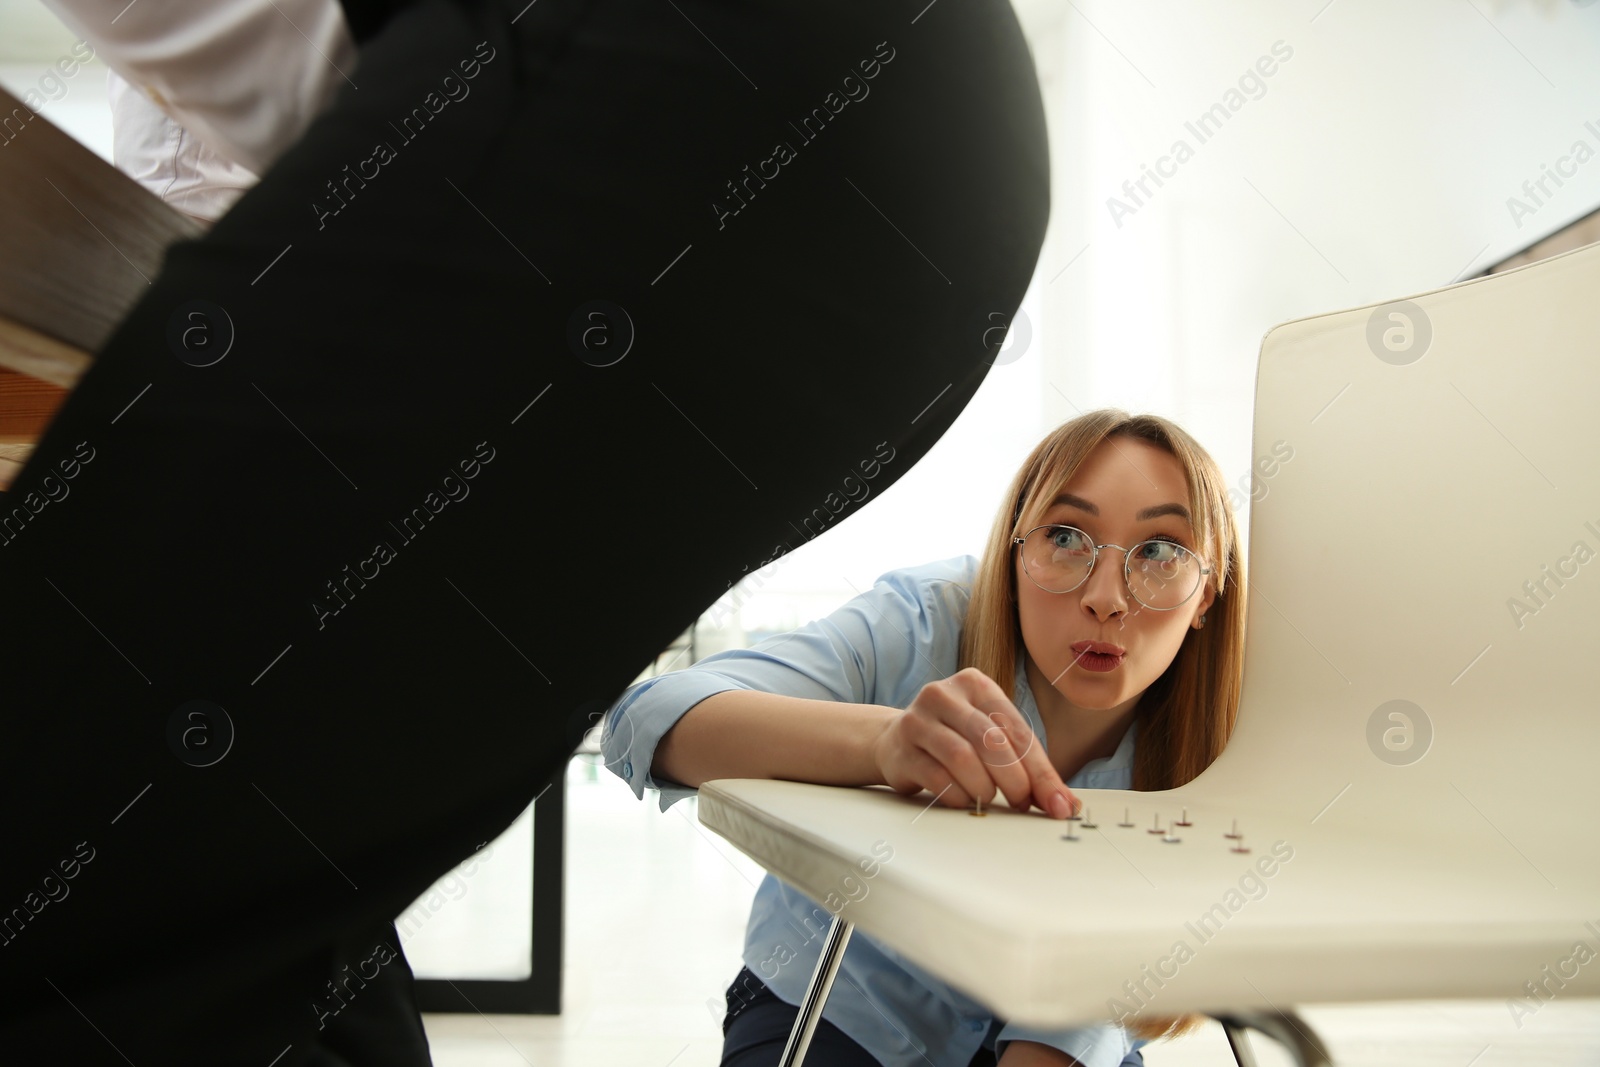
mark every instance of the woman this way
{"type": "Point", "coordinates": [905, 684]}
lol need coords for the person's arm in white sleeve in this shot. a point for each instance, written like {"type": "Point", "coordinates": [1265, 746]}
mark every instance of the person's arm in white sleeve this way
{"type": "Point", "coordinates": [803, 706]}
{"type": "Point", "coordinates": [168, 160]}
{"type": "Point", "coordinates": [245, 76]}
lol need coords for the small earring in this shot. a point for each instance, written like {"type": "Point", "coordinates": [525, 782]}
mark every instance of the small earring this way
{"type": "Point", "coordinates": [1202, 620]}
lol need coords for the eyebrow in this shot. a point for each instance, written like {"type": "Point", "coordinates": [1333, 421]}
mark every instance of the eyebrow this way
{"type": "Point", "coordinates": [1148, 513]}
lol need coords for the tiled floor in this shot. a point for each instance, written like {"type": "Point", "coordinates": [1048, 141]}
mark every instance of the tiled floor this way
{"type": "Point", "coordinates": [656, 908]}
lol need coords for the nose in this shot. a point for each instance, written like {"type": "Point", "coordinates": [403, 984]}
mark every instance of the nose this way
{"type": "Point", "coordinates": [1105, 591]}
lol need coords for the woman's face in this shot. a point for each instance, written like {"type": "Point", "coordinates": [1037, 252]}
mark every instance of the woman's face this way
{"type": "Point", "coordinates": [1120, 478]}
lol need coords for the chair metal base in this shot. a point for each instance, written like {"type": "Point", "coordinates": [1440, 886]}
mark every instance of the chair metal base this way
{"type": "Point", "coordinates": [1284, 1027]}
{"type": "Point", "coordinates": [1288, 1029]}
{"type": "Point", "coordinates": [805, 1023]}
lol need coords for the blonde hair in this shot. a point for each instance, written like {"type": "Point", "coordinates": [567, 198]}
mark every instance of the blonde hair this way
{"type": "Point", "coordinates": [1185, 716]}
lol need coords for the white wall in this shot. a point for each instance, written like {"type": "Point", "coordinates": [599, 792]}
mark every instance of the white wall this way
{"type": "Point", "coordinates": [1376, 163]}
{"type": "Point", "coordinates": [31, 40]}
{"type": "Point", "coordinates": [77, 104]}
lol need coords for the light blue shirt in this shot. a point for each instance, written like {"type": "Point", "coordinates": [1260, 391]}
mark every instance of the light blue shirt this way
{"type": "Point", "coordinates": [880, 648]}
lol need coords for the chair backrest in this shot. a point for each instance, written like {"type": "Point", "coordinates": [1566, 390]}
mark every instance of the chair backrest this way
{"type": "Point", "coordinates": [79, 243]}
{"type": "Point", "coordinates": [1423, 649]}
{"type": "Point", "coordinates": [82, 240]}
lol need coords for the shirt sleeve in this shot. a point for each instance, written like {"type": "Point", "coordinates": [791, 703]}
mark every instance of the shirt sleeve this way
{"type": "Point", "coordinates": [245, 76]}
{"type": "Point", "coordinates": [1104, 1045]}
{"type": "Point", "coordinates": [168, 160]}
{"type": "Point", "coordinates": [875, 649]}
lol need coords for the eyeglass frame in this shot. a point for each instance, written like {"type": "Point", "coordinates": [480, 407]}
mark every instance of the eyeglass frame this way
{"type": "Point", "coordinates": [1126, 556]}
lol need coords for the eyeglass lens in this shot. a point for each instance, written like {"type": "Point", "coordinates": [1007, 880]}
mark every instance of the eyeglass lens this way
{"type": "Point", "coordinates": [1161, 574]}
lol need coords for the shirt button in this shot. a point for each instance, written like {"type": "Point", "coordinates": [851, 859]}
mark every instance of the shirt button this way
{"type": "Point", "coordinates": [977, 1024]}
{"type": "Point", "coordinates": [627, 768]}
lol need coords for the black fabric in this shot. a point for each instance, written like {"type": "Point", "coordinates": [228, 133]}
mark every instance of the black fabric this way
{"type": "Point", "coordinates": [408, 534]}
{"type": "Point", "coordinates": [758, 1024]}
{"type": "Point", "coordinates": [366, 17]}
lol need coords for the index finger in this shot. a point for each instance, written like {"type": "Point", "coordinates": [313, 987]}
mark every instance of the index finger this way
{"type": "Point", "coordinates": [1044, 783]}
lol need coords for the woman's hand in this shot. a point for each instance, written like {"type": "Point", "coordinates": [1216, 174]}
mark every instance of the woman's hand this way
{"type": "Point", "coordinates": [963, 740]}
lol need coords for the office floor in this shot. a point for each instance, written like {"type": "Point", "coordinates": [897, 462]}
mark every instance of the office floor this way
{"type": "Point", "coordinates": [656, 908]}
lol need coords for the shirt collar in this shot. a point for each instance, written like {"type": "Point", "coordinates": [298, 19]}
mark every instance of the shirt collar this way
{"type": "Point", "coordinates": [1118, 762]}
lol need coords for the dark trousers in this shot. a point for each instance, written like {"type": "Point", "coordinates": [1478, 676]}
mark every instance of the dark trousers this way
{"type": "Point", "coordinates": [573, 314]}
{"type": "Point", "coordinates": [758, 1024]}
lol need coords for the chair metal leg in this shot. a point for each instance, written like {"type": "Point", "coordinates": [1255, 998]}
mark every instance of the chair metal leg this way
{"type": "Point", "coordinates": [1287, 1028]}
{"type": "Point", "coordinates": [1238, 1042]}
{"type": "Point", "coordinates": [805, 1024]}
{"type": "Point", "coordinates": [1284, 1027]}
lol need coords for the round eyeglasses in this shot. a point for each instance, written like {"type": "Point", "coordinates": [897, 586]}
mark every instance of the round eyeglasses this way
{"type": "Point", "coordinates": [1161, 574]}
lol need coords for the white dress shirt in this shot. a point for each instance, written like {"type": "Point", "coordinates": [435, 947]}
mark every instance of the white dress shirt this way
{"type": "Point", "coordinates": [245, 77]}
{"type": "Point", "coordinates": [168, 160]}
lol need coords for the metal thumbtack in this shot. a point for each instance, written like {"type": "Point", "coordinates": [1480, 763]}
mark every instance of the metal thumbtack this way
{"type": "Point", "coordinates": [1169, 839]}
{"type": "Point", "coordinates": [1124, 821]}
{"type": "Point", "coordinates": [977, 810]}
{"type": "Point", "coordinates": [1235, 835]}
{"type": "Point", "coordinates": [1184, 821]}
{"type": "Point", "coordinates": [1087, 825]}
{"type": "Point", "coordinates": [1157, 828]}
{"type": "Point", "coordinates": [1239, 847]}
{"type": "Point", "coordinates": [1069, 835]}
